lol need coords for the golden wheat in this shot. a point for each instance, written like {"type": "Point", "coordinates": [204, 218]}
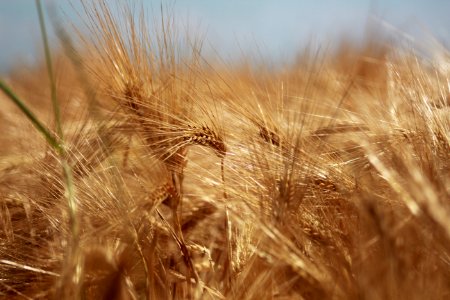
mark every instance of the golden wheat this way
{"type": "Point", "coordinates": [329, 179]}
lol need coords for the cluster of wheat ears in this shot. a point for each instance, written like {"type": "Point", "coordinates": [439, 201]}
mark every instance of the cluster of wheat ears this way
{"type": "Point", "coordinates": [153, 173]}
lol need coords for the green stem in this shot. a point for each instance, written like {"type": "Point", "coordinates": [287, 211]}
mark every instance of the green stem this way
{"type": "Point", "coordinates": [51, 76]}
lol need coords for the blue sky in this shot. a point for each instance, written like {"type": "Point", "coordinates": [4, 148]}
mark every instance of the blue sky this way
{"type": "Point", "coordinates": [277, 27]}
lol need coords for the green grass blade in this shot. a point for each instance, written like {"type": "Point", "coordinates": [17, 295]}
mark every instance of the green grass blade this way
{"type": "Point", "coordinates": [51, 139]}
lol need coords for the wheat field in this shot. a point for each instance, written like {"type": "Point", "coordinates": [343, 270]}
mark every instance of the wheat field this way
{"type": "Point", "coordinates": [143, 170]}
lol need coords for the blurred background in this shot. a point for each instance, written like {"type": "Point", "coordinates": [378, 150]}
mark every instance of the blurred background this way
{"type": "Point", "coordinates": [272, 28]}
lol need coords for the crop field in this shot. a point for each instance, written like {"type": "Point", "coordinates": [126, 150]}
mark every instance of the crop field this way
{"type": "Point", "coordinates": [132, 166]}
